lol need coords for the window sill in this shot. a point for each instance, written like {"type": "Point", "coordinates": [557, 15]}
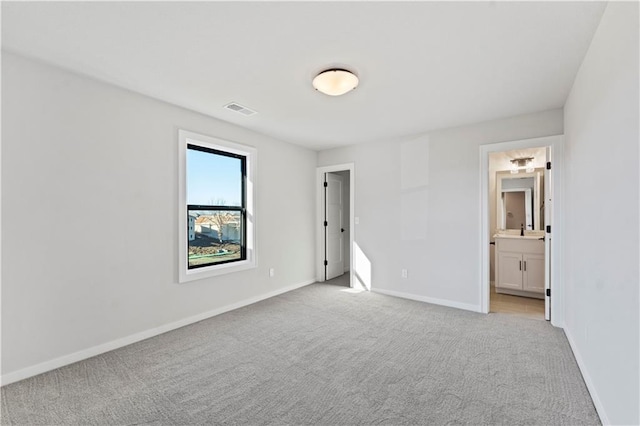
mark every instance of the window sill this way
{"type": "Point", "coordinates": [215, 270]}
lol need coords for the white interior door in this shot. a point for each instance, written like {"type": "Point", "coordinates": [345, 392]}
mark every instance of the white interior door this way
{"type": "Point", "coordinates": [548, 196]}
{"type": "Point", "coordinates": [334, 228]}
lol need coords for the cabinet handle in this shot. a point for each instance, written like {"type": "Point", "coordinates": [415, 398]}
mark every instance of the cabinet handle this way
{"type": "Point", "coordinates": [521, 265]}
{"type": "Point", "coordinates": [525, 265]}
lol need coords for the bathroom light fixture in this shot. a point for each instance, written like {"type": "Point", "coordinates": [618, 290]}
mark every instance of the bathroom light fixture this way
{"type": "Point", "coordinates": [518, 164]}
{"type": "Point", "coordinates": [335, 81]}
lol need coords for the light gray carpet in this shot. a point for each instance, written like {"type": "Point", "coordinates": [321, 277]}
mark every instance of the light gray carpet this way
{"type": "Point", "coordinates": [322, 355]}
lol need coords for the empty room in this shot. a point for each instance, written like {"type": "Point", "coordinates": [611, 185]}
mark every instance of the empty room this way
{"type": "Point", "coordinates": [325, 213]}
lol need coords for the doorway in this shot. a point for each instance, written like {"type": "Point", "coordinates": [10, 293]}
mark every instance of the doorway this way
{"type": "Point", "coordinates": [517, 220]}
{"type": "Point", "coordinates": [335, 218]}
{"type": "Point", "coordinates": [520, 262]}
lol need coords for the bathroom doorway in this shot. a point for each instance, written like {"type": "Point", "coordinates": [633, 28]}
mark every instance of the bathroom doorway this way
{"type": "Point", "coordinates": [517, 234]}
{"type": "Point", "coordinates": [520, 203]}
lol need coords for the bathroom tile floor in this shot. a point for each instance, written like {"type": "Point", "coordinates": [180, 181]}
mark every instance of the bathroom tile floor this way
{"type": "Point", "coordinates": [516, 305]}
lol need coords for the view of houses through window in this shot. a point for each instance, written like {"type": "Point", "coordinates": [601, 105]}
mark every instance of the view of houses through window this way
{"type": "Point", "coordinates": [215, 206]}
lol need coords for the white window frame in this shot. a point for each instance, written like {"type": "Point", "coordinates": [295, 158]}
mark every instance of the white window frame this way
{"type": "Point", "coordinates": [190, 138]}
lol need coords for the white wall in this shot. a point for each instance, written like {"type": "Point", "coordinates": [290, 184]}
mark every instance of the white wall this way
{"type": "Point", "coordinates": [429, 187]}
{"type": "Point", "coordinates": [89, 163]}
{"type": "Point", "coordinates": [601, 216]}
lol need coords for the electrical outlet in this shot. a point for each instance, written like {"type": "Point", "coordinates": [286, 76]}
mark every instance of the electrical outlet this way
{"type": "Point", "coordinates": [272, 272]}
{"type": "Point", "coordinates": [405, 273]}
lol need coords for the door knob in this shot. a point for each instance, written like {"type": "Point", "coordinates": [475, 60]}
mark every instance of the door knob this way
{"type": "Point", "coordinates": [341, 229]}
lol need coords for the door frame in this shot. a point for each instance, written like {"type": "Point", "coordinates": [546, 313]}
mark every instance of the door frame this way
{"type": "Point", "coordinates": [320, 171]}
{"type": "Point", "coordinates": [557, 146]}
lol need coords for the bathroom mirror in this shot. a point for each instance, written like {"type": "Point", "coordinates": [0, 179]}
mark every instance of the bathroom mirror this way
{"type": "Point", "coordinates": [520, 200]}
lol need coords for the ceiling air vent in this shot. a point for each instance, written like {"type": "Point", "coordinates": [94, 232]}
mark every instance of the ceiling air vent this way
{"type": "Point", "coordinates": [240, 109]}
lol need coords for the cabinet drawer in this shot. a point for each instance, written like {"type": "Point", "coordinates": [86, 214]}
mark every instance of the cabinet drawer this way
{"type": "Point", "coordinates": [521, 246]}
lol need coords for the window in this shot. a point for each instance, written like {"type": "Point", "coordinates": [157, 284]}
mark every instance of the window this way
{"type": "Point", "coordinates": [216, 206]}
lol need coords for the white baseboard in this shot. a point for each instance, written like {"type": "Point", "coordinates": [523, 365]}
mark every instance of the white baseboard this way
{"type": "Point", "coordinates": [442, 302]}
{"type": "Point", "coordinates": [587, 379]}
{"type": "Point", "coordinates": [43, 367]}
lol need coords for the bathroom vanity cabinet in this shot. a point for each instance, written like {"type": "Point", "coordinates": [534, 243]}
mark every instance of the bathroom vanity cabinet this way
{"type": "Point", "coordinates": [520, 266]}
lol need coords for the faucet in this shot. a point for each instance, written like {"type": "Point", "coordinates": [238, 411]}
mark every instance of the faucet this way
{"type": "Point", "coordinates": [522, 229]}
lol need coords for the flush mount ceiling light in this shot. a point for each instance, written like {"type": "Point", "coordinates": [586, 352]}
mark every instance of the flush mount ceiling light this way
{"type": "Point", "coordinates": [518, 164]}
{"type": "Point", "coordinates": [335, 82]}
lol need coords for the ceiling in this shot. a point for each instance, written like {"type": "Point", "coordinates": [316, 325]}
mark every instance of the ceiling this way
{"type": "Point", "coordinates": [422, 65]}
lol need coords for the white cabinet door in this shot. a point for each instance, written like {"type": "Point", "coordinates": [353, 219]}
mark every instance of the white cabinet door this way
{"type": "Point", "coordinates": [510, 270]}
{"type": "Point", "coordinates": [533, 272]}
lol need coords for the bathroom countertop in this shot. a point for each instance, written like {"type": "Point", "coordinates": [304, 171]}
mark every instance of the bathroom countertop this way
{"type": "Point", "coordinates": [518, 236]}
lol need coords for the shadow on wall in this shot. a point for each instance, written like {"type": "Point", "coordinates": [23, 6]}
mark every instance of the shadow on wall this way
{"type": "Point", "coordinates": [362, 269]}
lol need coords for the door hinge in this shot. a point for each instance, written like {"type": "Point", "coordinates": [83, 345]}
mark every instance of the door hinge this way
{"type": "Point", "coordinates": [326, 263]}
{"type": "Point", "coordinates": [548, 165]}
{"type": "Point", "coordinates": [548, 229]}
{"type": "Point", "coordinates": [326, 184]}
{"type": "Point", "coordinates": [548, 292]}
{"type": "Point", "coordinates": [325, 223]}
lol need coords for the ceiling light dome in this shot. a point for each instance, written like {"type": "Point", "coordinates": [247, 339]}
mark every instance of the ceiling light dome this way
{"type": "Point", "coordinates": [335, 82]}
